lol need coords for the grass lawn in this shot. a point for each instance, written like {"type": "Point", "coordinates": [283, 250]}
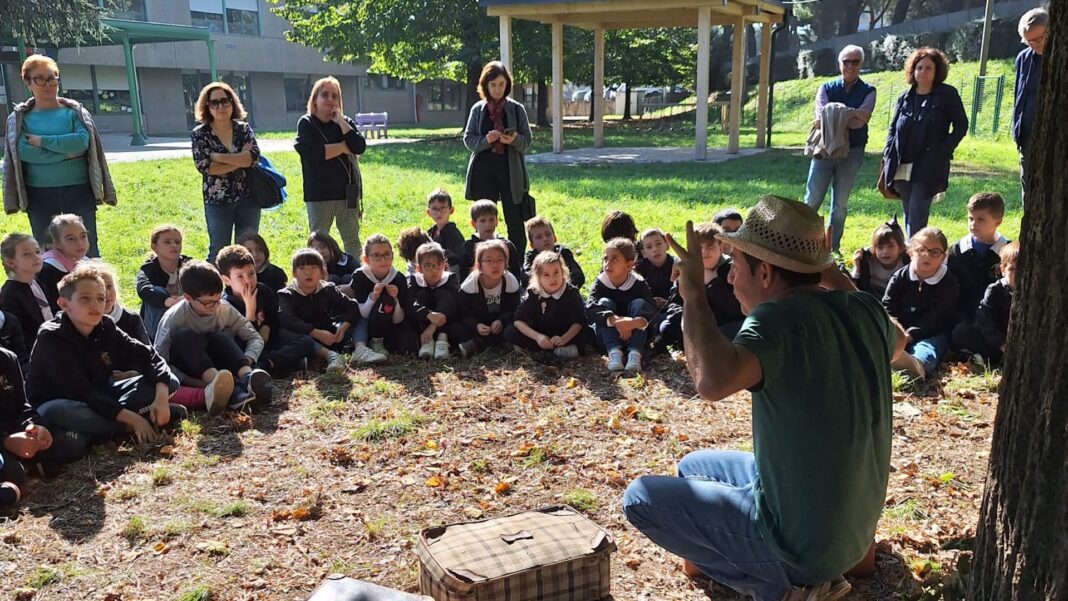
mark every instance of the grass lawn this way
{"type": "Point", "coordinates": [341, 472]}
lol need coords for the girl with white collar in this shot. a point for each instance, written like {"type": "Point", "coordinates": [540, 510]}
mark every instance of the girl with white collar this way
{"type": "Point", "coordinates": [382, 293]}
{"type": "Point", "coordinates": [551, 318]}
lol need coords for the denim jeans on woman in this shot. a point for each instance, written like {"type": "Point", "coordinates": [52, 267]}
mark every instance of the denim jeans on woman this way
{"type": "Point", "coordinates": [707, 514]}
{"type": "Point", "coordinates": [838, 175]}
{"type": "Point", "coordinates": [916, 200]}
{"type": "Point", "coordinates": [226, 221]}
{"type": "Point", "coordinates": [46, 203]}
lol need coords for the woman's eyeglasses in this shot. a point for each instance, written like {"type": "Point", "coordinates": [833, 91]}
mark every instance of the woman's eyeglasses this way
{"type": "Point", "coordinates": [219, 103]}
{"type": "Point", "coordinates": [51, 80]}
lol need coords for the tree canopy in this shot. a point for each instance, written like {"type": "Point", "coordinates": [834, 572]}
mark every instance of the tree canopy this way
{"type": "Point", "coordinates": [53, 23]}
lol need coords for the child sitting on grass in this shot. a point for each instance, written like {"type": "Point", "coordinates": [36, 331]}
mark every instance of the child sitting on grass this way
{"type": "Point", "coordinates": [484, 221]}
{"type": "Point", "coordinates": [617, 224]}
{"type": "Point", "coordinates": [719, 293]}
{"type": "Point", "coordinates": [986, 336]}
{"type": "Point", "coordinates": [73, 384]}
{"type": "Point", "coordinates": [433, 290]}
{"type": "Point", "coordinates": [69, 241]}
{"type": "Point", "coordinates": [157, 279]}
{"type": "Point", "coordinates": [974, 259]}
{"type": "Point", "coordinates": [22, 295]}
{"type": "Point", "coordinates": [488, 300]}
{"type": "Point", "coordinates": [382, 293]}
{"type": "Point", "coordinates": [409, 241]}
{"type": "Point", "coordinates": [729, 219]}
{"type": "Point", "coordinates": [922, 297]}
{"type": "Point", "coordinates": [266, 272]}
{"type": "Point", "coordinates": [311, 305]}
{"type": "Point", "coordinates": [873, 266]}
{"type": "Point", "coordinates": [444, 231]}
{"type": "Point", "coordinates": [656, 266]}
{"type": "Point", "coordinates": [126, 320]}
{"type": "Point", "coordinates": [620, 306]}
{"type": "Point", "coordinates": [543, 238]}
{"type": "Point", "coordinates": [339, 265]}
{"type": "Point", "coordinates": [552, 317]}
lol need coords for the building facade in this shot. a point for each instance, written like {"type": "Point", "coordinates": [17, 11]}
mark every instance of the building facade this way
{"type": "Point", "coordinates": [272, 76]}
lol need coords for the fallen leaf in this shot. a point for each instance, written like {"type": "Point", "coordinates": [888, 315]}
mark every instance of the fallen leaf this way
{"type": "Point", "coordinates": [613, 422]}
{"type": "Point", "coordinates": [160, 548]}
{"type": "Point", "coordinates": [682, 438]}
{"type": "Point", "coordinates": [167, 450]}
{"type": "Point", "coordinates": [572, 383]}
{"type": "Point", "coordinates": [430, 444]}
{"type": "Point", "coordinates": [435, 482]}
{"type": "Point", "coordinates": [633, 563]}
{"type": "Point", "coordinates": [659, 430]}
{"type": "Point", "coordinates": [502, 488]}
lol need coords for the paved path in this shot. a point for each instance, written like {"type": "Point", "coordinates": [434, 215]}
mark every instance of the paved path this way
{"type": "Point", "coordinates": [118, 150]}
{"type": "Point", "coordinates": [635, 156]}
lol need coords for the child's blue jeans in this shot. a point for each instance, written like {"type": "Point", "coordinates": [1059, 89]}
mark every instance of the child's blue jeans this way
{"type": "Point", "coordinates": [929, 351]}
{"type": "Point", "coordinates": [609, 336]}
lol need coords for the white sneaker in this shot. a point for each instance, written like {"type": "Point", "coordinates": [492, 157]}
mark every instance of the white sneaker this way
{"type": "Point", "coordinates": [566, 352]}
{"type": "Point", "coordinates": [365, 356]}
{"type": "Point", "coordinates": [379, 346]}
{"type": "Point", "coordinates": [217, 392]}
{"type": "Point", "coordinates": [634, 362]}
{"type": "Point", "coordinates": [615, 360]}
{"type": "Point", "coordinates": [426, 351]}
{"type": "Point", "coordinates": [441, 350]}
{"type": "Point", "coordinates": [335, 364]}
{"type": "Point", "coordinates": [829, 590]}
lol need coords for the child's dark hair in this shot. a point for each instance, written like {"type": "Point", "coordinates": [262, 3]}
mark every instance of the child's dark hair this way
{"type": "Point", "coordinates": [307, 257]}
{"type": "Point", "coordinates": [707, 231]}
{"type": "Point", "coordinates": [728, 214]}
{"type": "Point", "coordinates": [624, 246]}
{"type": "Point", "coordinates": [537, 222]}
{"type": "Point", "coordinates": [439, 195]}
{"type": "Point", "coordinates": [69, 283]}
{"type": "Point", "coordinates": [887, 233]}
{"type": "Point", "coordinates": [618, 224]}
{"type": "Point", "coordinates": [323, 238]}
{"type": "Point", "coordinates": [430, 249]}
{"type": "Point", "coordinates": [58, 223]}
{"type": "Point", "coordinates": [653, 231]}
{"type": "Point", "coordinates": [258, 240]}
{"type": "Point", "coordinates": [198, 278]}
{"type": "Point", "coordinates": [409, 241]}
{"type": "Point", "coordinates": [373, 241]}
{"type": "Point", "coordinates": [987, 201]}
{"type": "Point", "coordinates": [233, 256]}
{"type": "Point", "coordinates": [8, 246]}
{"type": "Point", "coordinates": [483, 207]}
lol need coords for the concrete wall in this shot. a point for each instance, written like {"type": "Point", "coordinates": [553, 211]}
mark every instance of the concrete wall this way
{"type": "Point", "coordinates": [398, 103]}
{"type": "Point", "coordinates": [162, 102]}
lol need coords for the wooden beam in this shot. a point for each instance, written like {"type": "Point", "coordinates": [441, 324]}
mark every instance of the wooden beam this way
{"type": "Point", "coordinates": [737, 85]}
{"type": "Point", "coordinates": [726, 8]}
{"type": "Point", "coordinates": [626, 22]}
{"type": "Point", "coordinates": [762, 85]}
{"type": "Point", "coordinates": [704, 60]}
{"type": "Point", "coordinates": [558, 87]}
{"type": "Point", "coordinates": [604, 9]}
{"type": "Point", "coordinates": [506, 41]}
{"type": "Point", "coordinates": [597, 94]}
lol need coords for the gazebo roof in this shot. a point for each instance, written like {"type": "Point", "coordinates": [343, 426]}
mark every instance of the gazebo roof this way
{"type": "Point", "coordinates": [628, 14]}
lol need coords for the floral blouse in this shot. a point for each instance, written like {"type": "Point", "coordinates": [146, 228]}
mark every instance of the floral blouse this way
{"type": "Point", "coordinates": [231, 187]}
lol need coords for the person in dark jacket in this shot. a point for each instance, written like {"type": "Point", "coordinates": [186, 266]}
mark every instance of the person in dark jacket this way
{"type": "Point", "coordinates": [488, 300]}
{"type": "Point", "coordinates": [551, 318]}
{"type": "Point", "coordinates": [542, 238]}
{"type": "Point", "coordinates": [656, 265]}
{"type": "Point", "coordinates": [484, 222]}
{"type": "Point", "coordinates": [157, 279]}
{"type": "Point", "coordinates": [444, 231]}
{"type": "Point", "coordinates": [13, 339]}
{"type": "Point", "coordinates": [1032, 31]}
{"type": "Point", "coordinates": [719, 293]}
{"type": "Point", "coordinates": [974, 259]}
{"type": "Point", "coordinates": [620, 306]}
{"type": "Point", "coordinates": [27, 443]}
{"type": "Point", "coordinates": [929, 123]}
{"type": "Point", "coordinates": [922, 297]}
{"type": "Point", "coordinates": [382, 293]}
{"type": "Point", "coordinates": [22, 295]}
{"type": "Point", "coordinates": [273, 276]}
{"type": "Point", "coordinates": [329, 146]}
{"type": "Point", "coordinates": [127, 321]}
{"type": "Point", "coordinates": [339, 265]}
{"type": "Point", "coordinates": [433, 291]}
{"type": "Point", "coordinates": [986, 336]}
{"type": "Point", "coordinates": [87, 349]}
{"type": "Point", "coordinates": [873, 266]}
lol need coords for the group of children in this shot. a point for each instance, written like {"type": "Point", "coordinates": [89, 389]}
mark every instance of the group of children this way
{"type": "Point", "coordinates": [211, 336]}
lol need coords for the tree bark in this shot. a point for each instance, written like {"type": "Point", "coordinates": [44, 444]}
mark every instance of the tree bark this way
{"type": "Point", "coordinates": [850, 18]}
{"type": "Point", "coordinates": [543, 103]}
{"type": "Point", "coordinates": [901, 12]}
{"type": "Point", "coordinates": [1021, 547]}
{"type": "Point", "coordinates": [626, 103]}
{"type": "Point", "coordinates": [471, 87]}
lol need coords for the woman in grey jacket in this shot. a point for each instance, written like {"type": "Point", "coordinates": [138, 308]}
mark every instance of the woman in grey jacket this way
{"type": "Point", "coordinates": [498, 136]}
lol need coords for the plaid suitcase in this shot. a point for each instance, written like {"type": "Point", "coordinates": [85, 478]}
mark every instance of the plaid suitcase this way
{"type": "Point", "coordinates": [549, 554]}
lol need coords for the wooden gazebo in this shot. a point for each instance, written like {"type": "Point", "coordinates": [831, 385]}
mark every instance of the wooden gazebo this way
{"type": "Point", "coordinates": [601, 15]}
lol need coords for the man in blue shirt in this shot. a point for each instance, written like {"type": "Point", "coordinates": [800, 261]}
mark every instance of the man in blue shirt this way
{"type": "Point", "coordinates": [1032, 30]}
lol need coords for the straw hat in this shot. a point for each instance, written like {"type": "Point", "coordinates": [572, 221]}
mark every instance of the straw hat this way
{"type": "Point", "coordinates": [786, 233]}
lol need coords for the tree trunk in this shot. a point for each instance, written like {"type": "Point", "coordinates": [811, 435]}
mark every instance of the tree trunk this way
{"type": "Point", "coordinates": [471, 87]}
{"type": "Point", "coordinates": [1021, 548]}
{"type": "Point", "coordinates": [901, 12]}
{"type": "Point", "coordinates": [626, 103]}
{"type": "Point", "coordinates": [543, 103]}
{"type": "Point", "coordinates": [593, 103]}
{"type": "Point", "coordinates": [850, 17]}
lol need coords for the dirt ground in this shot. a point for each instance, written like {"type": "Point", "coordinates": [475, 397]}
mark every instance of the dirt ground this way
{"type": "Point", "coordinates": [341, 473]}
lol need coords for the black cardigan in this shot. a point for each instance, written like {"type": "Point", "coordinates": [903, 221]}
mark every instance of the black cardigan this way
{"type": "Point", "coordinates": [992, 317]}
{"type": "Point", "coordinates": [974, 273]}
{"type": "Point", "coordinates": [18, 299]}
{"type": "Point", "coordinates": [942, 110]}
{"type": "Point", "coordinates": [473, 307]}
{"type": "Point", "coordinates": [423, 299]}
{"type": "Point", "coordinates": [552, 316]}
{"type": "Point", "coordinates": [631, 290]}
{"type": "Point", "coordinates": [923, 309]}
{"type": "Point", "coordinates": [326, 179]}
{"type": "Point", "coordinates": [719, 294]}
{"type": "Point", "coordinates": [302, 313]}
{"type": "Point", "coordinates": [451, 241]}
{"type": "Point", "coordinates": [515, 264]}
{"type": "Point", "coordinates": [658, 278]}
{"type": "Point", "coordinates": [15, 411]}
{"type": "Point", "coordinates": [151, 275]}
{"type": "Point", "coordinates": [273, 276]}
{"type": "Point", "coordinates": [49, 278]}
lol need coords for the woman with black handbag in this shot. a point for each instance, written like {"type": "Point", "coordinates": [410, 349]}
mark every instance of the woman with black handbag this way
{"type": "Point", "coordinates": [328, 145]}
{"type": "Point", "coordinates": [224, 147]}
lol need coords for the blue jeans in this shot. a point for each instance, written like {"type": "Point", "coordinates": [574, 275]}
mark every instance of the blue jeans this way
{"type": "Point", "coordinates": [929, 351]}
{"type": "Point", "coordinates": [839, 176]}
{"type": "Point", "coordinates": [135, 394]}
{"type": "Point", "coordinates": [707, 514]}
{"type": "Point", "coordinates": [915, 205]}
{"type": "Point", "coordinates": [152, 315]}
{"type": "Point", "coordinates": [46, 203]}
{"type": "Point", "coordinates": [230, 220]}
{"type": "Point", "coordinates": [609, 336]}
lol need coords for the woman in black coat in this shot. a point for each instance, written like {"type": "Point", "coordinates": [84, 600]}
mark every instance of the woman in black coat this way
{"type": "Point", "coordinates": [920, 142]}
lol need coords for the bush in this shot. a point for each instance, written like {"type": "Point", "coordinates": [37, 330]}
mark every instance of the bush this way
{"type": "Point", "coordinates": [891, 52]}
{"type": "Point", "coordinates": [965, 43]}
{"type": "Point", "coordinates": [811, 63]}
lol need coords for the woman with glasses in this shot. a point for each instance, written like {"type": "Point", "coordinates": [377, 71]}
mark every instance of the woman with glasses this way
{"type": "Point", "coordinates": [224, 147]}
{"type": "Point", "coordinates": [928, 124]}
{"type": "Point", "coordinates": [53, 160]}
{"type": "Point", "coordinates": [1032, 29]}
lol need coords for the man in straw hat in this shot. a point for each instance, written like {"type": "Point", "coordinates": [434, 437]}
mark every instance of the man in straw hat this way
{"type": "Point", "coordinates": [786, 521]}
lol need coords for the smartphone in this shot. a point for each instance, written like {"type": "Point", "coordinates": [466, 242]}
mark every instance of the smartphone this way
{"type": "Point", "coordinates": [509, 132]}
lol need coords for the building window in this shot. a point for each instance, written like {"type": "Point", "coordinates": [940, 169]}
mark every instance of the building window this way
{"type": "Point", "coordinates": [384, 82]}
{"type": "Point", "coordinates": [102, 90]}
{"type": "Point", "coordinates": [131, 10]}
{"type": "Point", "coordinates": [297, 91]}
{"type": "Point", "coordinates": [211, 21]}
{"type": "Point", "coordinates": [444, 96]}
{"type": "Point", "coordinates": [77, 83]}
{"type": "Point", "coordinates": [240, 17]}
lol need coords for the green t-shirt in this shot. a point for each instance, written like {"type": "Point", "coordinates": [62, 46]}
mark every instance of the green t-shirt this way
{"type": "Point", "coordinates": [51, 165]}
{"type": "Point", "coordinates": [821, 425]}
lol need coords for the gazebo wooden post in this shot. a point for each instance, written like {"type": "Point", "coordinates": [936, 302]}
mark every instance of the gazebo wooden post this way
{"type": "Point", "coordinates": [704, 41]}
{"type": "Point", "coordinates": [558, 87]}
{"type": "Point", "coordinates": [737, 84]}
{"type": "Point", "coordinates": [597, 95]}
{"type": "Point", "coordinates": [506, 41]}
{"type": "Point", "coordinates": [763, 84]}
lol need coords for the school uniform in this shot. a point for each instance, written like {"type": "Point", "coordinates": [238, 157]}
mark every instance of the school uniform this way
{"type": "Point", "coordinates": [385, 316]}
{"type": "Point", "coordinates": [325, 309]}
{"type": "Point", "coordinates": [340, 272]}
{"type": "Point", "coordinates": [13, 339]}
{"type": "Point", "coordinates": [975, 266]}
{"type": "Point", "coordinates": [927, 310]}
{"type": "Point", "coordinates": [72, 383]}
{"type": "Point", "coordinates": [632, 298]}
{"type": "Point", "coordinates": [29, 304]}
{"type": "Point", "coordinates": [441, 298]}
{"type": "Point", "coordinates": [576, 276]}
{"type": "Point", "coordinates": [451, 241]}
{"type": "Point", "coordinates": [283, 350]}
{"type": "Point", "coordinates": [49, 278]}
{"type": "Point", "coordinates": [273, 276]}
{"type": "Point", "coordinates": [658, 278]}
{"type": "Point", "coordinates": [548, 314]}
{"type": "Point", "coordinates": [479, 305]}
{"type": "Point", "coordinates": [870, 276]}
{"type": "Point", "coordinates": [130, 323]}
{"type": "Point", "coordinates": [515, 262]}
{"type": "Point", "coordinates": [193, 343]}
{"type": "Point", "coordinates": [154, 286]}
{"type": "Point", "coordinates": [986, 335]}
{"type": "Point", "coordinates": [719, 294]}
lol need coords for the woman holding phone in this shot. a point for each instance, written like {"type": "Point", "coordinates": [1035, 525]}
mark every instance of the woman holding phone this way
{"type": "Point", "coordinates": [329, 145]}
{"type": "Point", "coordinates": [498, 135]}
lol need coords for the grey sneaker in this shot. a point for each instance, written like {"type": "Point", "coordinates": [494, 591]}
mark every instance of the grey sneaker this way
{"type": "Point", "coordinates": [829, 590]}
{"type": "Point", "coordinates": [365, 356]}
{"type": "Point", "coordinates": [217, 392]}
{"type": "Point", "coordinates": [615, 360]}
{"type": "Point", "coordinates": [379, 346]}
{"type": "Point", "coordinates": [335, 364]}
{"type": "Point", "coordinates": [634, 362]}
{"type": "Point", "coordinates": [566, 352]}
{"type": "Point", "coordinates": [426, 351]}
{"type": "Point", "coordinates": [441, 350]}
